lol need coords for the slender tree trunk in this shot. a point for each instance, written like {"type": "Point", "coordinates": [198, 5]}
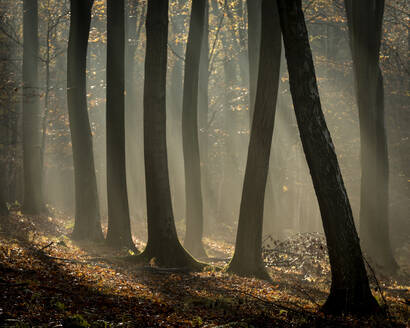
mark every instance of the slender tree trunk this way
{"type": "Point", "coordinates": [174, 118]}
{"type": "Point", "coordinates": [7, 125]}
{"type": "Point", "coordinates": [365, 25]}
{"type": "Point", "coordinates": [163, 243]}
{"type": "Point", "coordinates": [87, 212]}
{"type": "Point", "coordinates": [190, 133]}
{"type": "Point", "coordinates": [3, 186]}
{"type": "Point", "coordinates": [203, 115]}
{"type": "Point", "coordinates": [247, 259]}
{"type": "Point", "coordinates": [33, 199]}
{"type": "Point", "coordinates": [136, 12]}
{"type": "Point", "coordinates": [119, 227]}
{"type": "Point", "coordinates": [230, 182]}
{"type": "Point", "coordinates": [254, 42]}
{"type": "Point", "coordinates": [350, 290]}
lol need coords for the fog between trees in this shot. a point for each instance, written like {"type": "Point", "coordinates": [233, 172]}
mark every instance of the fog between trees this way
{"type": "Point", "coordinates": [212, 60]}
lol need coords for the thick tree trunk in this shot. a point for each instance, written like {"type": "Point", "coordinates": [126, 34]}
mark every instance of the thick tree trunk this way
{"type": "Point", "coordinates": [247, 259]}
{"type": "Point", "coordinates": [365, 24]}
{"type": "Point", "coordinates": [87, 212]}
{"type": "Point", "coordinates": [190, 133]}
{"type": "Point", "coordinates": [33, 199]}
{"type": "Point", "coordinates": [119, 227]}
{"type": "Point", "coordinates": [350, 290]}
{"type": "Point", "coordinates": [163, 243]}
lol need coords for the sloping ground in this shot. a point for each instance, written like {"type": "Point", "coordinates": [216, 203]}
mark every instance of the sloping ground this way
{"type": "Point", "coordinates": [47, 280]}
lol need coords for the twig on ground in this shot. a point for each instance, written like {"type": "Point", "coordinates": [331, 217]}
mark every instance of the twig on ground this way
{"type": "Point", "coordinates": [47, 246]}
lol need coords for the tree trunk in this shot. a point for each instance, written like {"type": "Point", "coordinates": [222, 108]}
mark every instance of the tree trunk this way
{"type": "Point", "coordinates": [254, 43]}
{"type": "Point", "coordinates": [350, 290]}
{"type": "Point", "coordinates": [247, 259]}
{"type": "Point", "coordinates": [87, 212]}
{"type": "Point", "coordinates": [190, 133]}
{"type": "Point", "coordinates": [119, 227]}
{"type": "Point", "coordinates": [174, 124]}
{"type": "Point", "coordinates": [163, 243]}
{"type": "Point", "coordinates": [3, 185]}
{"type": "Point", "coordinates": [203, 117]}
{"type": "Point", "coordinates": [33, 199]}
{"type": "Point", "coordinates": [365, 25]}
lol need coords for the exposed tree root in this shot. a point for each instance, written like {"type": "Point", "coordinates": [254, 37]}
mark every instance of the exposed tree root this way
{"type": "Point", "coordinates": [174, 256]}
{"type": "Point", "coordinates": [344, 301]}
{"type": "Point", "coordinates": [196, 249]}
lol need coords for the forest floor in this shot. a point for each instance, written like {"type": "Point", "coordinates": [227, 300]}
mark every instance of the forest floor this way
{"type": "Point", "coordinates": [48, 280]}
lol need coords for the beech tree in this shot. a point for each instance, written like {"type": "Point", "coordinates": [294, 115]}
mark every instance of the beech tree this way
{"type": "Point", "coordinates": [33, 199]}
{"type": "Point", "coordinates": [119, 227]}
{"type": "Point", "coordinates": [365, 20]}
{"type": "Point", "coordinates": [247, 259]}
{"type": "Point", "coordinates": [349, 291]}
{"type": "Point", "coordinates": [87, 213]}
{"type": "Point", "coordinates": [190, 133]}
{"type": "Point", "coordinates": [203, 115]}
{"type": "Point", "coordinates": [254, 43]}
{"type": "Point", "coordinates": [163, 243]}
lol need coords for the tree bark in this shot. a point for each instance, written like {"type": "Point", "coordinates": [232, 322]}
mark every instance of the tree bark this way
{"type": "Point", "coordinates": [190, 133]}
{"type": "Point", "coordinates": [349, 292]}
{"type": "Point", "coordinates": [163, 243]}
{"type": "Point", "coordinates": [247, 259]}
{"type": "Point", "coordinates": [119, 227]}
{"type": "Point", "coordinates": [203, 117]}
{"type": "Point", "coordinates": [87, 212]}
{"type": "Point", "coordinates": [365, 20]}
{"type": "Point", "coordinates": [33, 198]}
{"type": "Point", "coordinates": [254, 43]}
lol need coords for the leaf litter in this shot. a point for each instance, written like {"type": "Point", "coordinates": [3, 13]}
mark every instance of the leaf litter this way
{"type": "Point", "coordinates": [47, 280]}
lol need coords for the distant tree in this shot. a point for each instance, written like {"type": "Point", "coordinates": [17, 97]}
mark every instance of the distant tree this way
{"type": "Point", "coordinates": [230, 175]}
{"type": "Point", "coordinates": [3, 199]}
{"type": "Point", "coordinates": [33, 195]}
{"type": "Point", "coordinates": [7, 128]}
{"type": "Point", "coordinates": [190, 133]}
{"type": "Point", "coordinates": [119, 227]}
{"type": "Point", "coordinates": [163, 243]}
{"type": "Point", "coordinates": [87, 212]}
{"type": "Point", "coordinates": [247, 259]}
{"type": "Point", "coordinates": [365, 20]}
{"type": "Point", "coordinates": [349, 290]}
